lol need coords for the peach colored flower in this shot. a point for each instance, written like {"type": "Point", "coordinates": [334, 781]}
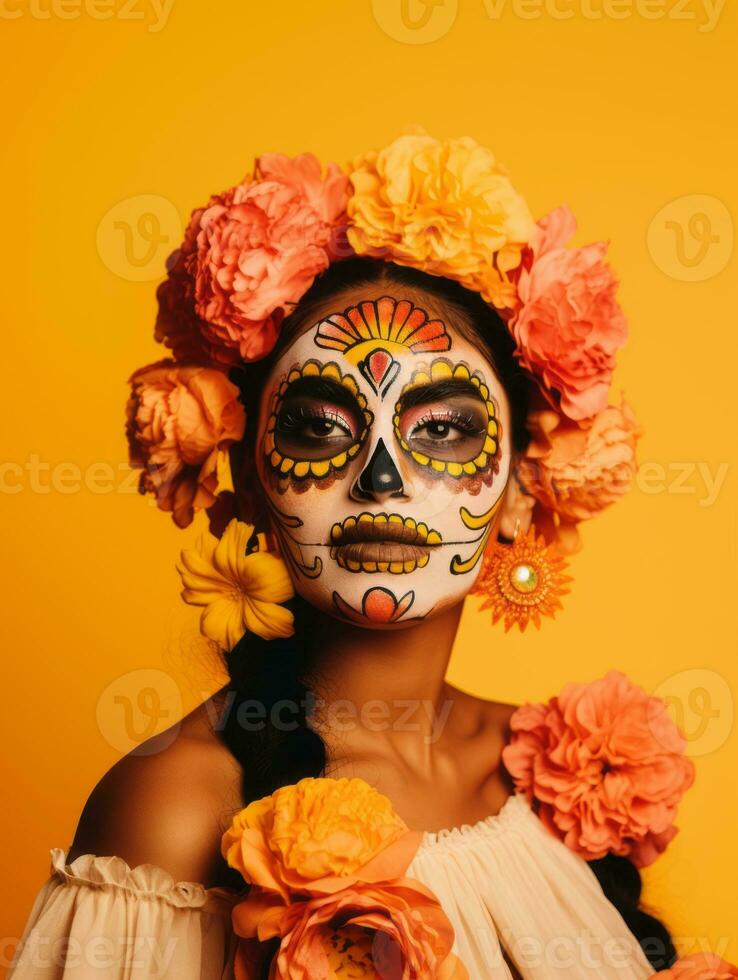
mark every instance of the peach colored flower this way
{"type": "Point", "coordinates": [306, 831]}
{"type": "Point", "coordinates": [699, 966]}
{"type": "Point", "coordinates": [181, 421]}
{"type": "Point", "coordinates": [393, 930]}
{"type": "Point", "coordinates": [567, 324]}
{"type": "Point", "coordinates": [604, 765]}
{"type": "Point", "coordinates": [445, 207]}
{"type": "Point", "coordinates": [249, 256]}
{"type": "Point", "coordinates": [326, 861]}
{"type": "Point", "coordinates": [260, 251]}
{"type": "Point", "coordinates": [579, 469]}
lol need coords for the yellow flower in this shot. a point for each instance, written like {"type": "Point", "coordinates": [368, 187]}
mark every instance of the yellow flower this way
{"type": "Point", "coordinates": [241, 593]}
{"type": "Point", "coordinates": [445, 207]}
{"type": "Point", "coordinates": [311, 829]}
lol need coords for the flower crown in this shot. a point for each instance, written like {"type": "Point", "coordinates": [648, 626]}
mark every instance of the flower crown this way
{"type": "Point", "coordinates": [446, 208]}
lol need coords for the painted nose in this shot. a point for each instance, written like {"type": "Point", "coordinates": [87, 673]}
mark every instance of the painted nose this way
{"type": "Point", "coordinates": [380, 477]}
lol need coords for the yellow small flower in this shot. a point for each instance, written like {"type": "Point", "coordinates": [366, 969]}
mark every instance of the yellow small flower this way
{"type": "Point", "coordinates": [240, 593]}
{"type": "Point", "coordinates": [314, 828]}
{"type": "Point", "coordinates": [445, 207]}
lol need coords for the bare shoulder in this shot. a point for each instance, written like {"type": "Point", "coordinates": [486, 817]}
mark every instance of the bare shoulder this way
{"type": "Point", "coordinates": [167, 803]}
{"type": "Point", "coordinates": [483, 718]}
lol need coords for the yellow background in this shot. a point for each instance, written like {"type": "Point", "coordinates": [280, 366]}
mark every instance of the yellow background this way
{"type": "Point", "coordinates": [618, 116]}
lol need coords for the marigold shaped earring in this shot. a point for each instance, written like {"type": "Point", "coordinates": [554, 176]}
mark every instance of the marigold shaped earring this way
{"type": "Point", "coordinates": [522, 581]}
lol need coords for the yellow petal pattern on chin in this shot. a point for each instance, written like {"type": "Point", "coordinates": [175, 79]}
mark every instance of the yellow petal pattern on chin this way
{"type": "Point", "coordinates": [240, 592]}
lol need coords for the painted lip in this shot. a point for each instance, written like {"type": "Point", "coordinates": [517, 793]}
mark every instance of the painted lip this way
{"type": "Point", "coordinates": [382, 543]}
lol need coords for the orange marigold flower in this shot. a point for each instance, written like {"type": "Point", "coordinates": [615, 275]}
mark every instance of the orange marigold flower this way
{"type": "Point", "coordinates": [445, 207]}
{"type": "Point", "coordinates": [181, 421]}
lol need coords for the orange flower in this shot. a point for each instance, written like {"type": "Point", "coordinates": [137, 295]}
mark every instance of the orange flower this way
{"type": "Point", "coordinates": [699, 966]}
{"type": "Point", "coordinates": [523, 581]}
{"type": "Point", "coordinates": [445, 207]}
{"type": "Point", "coordinates": [310, 830]}
{"type": "Point", "coordinates": [326, 861]}
{"type": "Point", "coordinates": [395, 930]}
{"type": "Point", "coordinates": [604, 765]}
{"type": "Point", "coordinates": [578, 469]}
{"type": "Point", "coordinates": [181, 421]}
{"type": "Point", "coordinates": [567, 322]}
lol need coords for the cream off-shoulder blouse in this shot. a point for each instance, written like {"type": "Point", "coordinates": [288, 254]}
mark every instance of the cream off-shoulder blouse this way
{"type": "Point", "coordinates": [505, 883]}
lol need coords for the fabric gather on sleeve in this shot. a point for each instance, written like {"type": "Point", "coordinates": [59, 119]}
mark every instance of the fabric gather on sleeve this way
{"type": "Point", "coordinates": [99, 918]}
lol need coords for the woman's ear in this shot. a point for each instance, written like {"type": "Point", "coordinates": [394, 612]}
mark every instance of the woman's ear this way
{"type": "Point", "coordinates": [517, 505]}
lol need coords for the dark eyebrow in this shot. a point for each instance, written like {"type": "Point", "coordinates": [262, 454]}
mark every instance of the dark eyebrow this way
{"type": "Point", "coordinates": [438, 390]}
{"type": "Point", "coordinates": [310, 386]}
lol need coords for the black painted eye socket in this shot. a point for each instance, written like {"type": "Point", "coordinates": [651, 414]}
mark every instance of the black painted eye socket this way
{"type": "Point", "coordinates": [453, 430]}
{"type": "Point", "coordinates": [317, 419]}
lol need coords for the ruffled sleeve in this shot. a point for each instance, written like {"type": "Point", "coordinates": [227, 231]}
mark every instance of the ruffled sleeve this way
{"type": "Point", "coordinates": [98, 918]}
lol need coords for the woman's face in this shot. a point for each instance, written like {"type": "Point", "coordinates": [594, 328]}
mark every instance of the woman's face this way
{"type": "Point", "coordinates": [383, 449]}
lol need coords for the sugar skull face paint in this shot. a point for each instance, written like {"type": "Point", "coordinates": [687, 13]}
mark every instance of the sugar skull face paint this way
{"type": "Point", "coordinates": [383, 454]}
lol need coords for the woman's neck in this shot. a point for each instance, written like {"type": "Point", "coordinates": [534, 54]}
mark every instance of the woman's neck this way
{"type": "Point", "coordinates": [385, 685]}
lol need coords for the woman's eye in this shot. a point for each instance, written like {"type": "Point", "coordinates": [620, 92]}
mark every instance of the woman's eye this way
{"type": "Point", "coordinates": [444, 433]}
{"type": "Point", "coordinates": [438, 431]}
{"type": "Point", "coordinates": [322, 427]}
{"type": "Point", "coordinates": [314, 431]}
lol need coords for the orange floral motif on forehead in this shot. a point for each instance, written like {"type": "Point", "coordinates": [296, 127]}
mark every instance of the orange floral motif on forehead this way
{"type": "Point", "coordinates": [372, 332]}
{"type": "Point", "coordinates": [395, 322]}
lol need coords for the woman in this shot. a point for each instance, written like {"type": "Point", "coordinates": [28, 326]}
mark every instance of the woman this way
{"type": "Point", "coordinates": [402, 372]}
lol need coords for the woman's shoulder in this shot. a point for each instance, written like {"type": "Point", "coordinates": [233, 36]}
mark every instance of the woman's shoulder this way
{"type": "Point", "coordinates": [166, 803]}
{"type": "Point", "coordinates": [481, 716]}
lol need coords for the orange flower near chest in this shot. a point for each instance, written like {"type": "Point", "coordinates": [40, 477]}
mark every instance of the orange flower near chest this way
{"type": "Point", "coordinates": [326, 860]}
{"type": "Point", "coordinates": [314, 828]}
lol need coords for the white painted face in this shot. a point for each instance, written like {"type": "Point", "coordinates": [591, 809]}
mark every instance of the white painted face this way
{"type": "Point", "coordinates": [384, 451]}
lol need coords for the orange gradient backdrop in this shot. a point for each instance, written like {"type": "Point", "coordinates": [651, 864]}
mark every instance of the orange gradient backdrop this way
{"type": "Point", "coordinates": [115, 125]}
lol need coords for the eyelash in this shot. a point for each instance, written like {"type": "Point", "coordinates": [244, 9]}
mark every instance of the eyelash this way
{"type": "Point", "coordinates": [292, 418]}
{"type": "Point", "coordinates": [463, 422]}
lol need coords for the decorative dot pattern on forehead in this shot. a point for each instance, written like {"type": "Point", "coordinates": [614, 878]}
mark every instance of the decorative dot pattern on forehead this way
{"type": "Point", "coordinates": [286, 465]}
{"type": "Point", "coordinates": [396, 323]}
{"type": "Point", "coordinates": [442, 369]}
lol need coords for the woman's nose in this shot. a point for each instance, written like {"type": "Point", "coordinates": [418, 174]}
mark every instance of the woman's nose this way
{"type": "Point", "coordinates": [380, 479]}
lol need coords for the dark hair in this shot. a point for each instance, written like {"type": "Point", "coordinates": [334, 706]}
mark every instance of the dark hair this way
{"type": "Point", "coordinates": [271, 674]}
